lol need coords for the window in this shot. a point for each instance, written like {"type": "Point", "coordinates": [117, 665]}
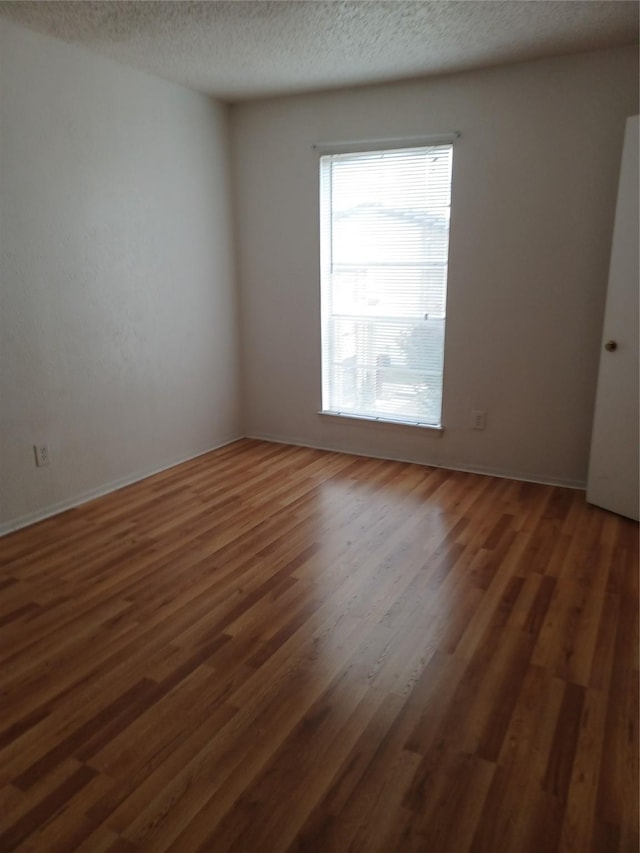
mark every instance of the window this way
{"type": "Point", "coordinates": [385, 246]}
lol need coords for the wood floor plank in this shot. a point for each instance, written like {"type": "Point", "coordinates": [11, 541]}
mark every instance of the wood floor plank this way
{"type": "Point", "coordinates": [274, 648]}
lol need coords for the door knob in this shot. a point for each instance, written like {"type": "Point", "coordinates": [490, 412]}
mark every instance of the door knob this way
{"type": "Point", "coordinates": [611, 346]}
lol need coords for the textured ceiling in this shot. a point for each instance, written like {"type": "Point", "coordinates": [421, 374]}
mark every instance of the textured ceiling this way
{"type": "Point", "coordinates": [242, 49]}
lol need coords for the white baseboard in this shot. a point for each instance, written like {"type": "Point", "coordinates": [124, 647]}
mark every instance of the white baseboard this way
{"type": "Point", "coordinates": [505, 474]}
{"type": "Point", "coordinates": [114, 485]}
{"type": "Point", "coordinates": [85, 497]}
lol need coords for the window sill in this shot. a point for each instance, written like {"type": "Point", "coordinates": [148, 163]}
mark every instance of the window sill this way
{"type": "Point", "coordinates": [383, 421]}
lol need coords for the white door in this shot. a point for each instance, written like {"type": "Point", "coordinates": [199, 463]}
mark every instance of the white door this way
{"type": "Point", "coordinates": [613, 464]}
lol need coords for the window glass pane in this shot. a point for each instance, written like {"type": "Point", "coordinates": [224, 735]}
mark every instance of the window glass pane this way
{"type": "Point", "coordinates": [385, 242]}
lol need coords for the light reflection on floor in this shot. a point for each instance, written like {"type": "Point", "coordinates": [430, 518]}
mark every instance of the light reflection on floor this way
{"type": "Point", "coordinates": [365, 582]}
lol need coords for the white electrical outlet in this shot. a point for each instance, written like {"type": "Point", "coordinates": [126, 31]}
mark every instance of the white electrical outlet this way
{"type": "Point", "coordinates": [42, 454]}
{"type": "Point", "coordinates": [478, 419]}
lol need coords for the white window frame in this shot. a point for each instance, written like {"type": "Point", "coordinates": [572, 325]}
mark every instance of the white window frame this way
{"type": "Point", "coordinates": [357, 147]}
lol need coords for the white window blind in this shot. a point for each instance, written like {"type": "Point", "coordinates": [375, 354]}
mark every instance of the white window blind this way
{"type": "Point", "coordinates": [385, 245]}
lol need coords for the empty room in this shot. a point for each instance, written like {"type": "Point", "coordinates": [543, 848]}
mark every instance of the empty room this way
{"type": "Point", "coordinates": [319, 426]}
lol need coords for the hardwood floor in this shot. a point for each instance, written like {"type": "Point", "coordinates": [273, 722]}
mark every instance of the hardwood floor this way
{"type": "Point", "coordinates": [280, 649]}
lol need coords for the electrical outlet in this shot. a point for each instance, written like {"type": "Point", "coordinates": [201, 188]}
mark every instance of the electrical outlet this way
{"type": "Point", "coordinates": [478, 419]}
{"type": "Point", "coordinates": [42, 454]}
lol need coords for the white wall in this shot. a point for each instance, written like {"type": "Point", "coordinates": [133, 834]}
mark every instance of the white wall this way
{"type": "Point", "coordinates": [118, 318]}
{"type": "Point", "coordinates": [534, 188]}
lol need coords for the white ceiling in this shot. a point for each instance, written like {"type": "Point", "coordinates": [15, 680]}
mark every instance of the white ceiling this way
{"type": "Point", "coordinates": [254, 48]}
